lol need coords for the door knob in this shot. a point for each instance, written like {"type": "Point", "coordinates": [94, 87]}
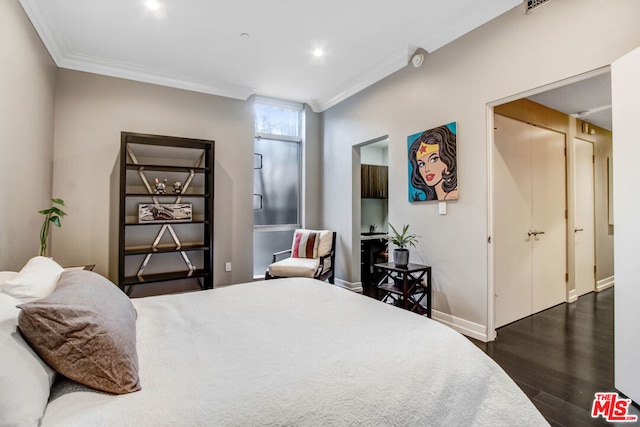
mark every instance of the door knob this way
{"type": "Point", "coordinates": [575, 230]}
{"type": "Point", "coordinates": [534, 232]}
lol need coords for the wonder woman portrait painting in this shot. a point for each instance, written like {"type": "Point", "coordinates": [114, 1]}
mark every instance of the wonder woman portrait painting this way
{"type": "Point", "coordinates": [432, 164]}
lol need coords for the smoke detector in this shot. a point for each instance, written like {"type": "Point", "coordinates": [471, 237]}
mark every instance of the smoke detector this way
{"type": "Point", "coordinates": [417, 59]}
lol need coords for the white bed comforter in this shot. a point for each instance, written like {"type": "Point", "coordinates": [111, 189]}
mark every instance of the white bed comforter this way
{"type": "Point", "coordinates": [297, 352]}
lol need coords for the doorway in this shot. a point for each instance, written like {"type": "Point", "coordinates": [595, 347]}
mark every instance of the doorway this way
{"type": "Point", "coordinates": [565, 107]}
{"type": "Point", "coordinates": [373, 191]}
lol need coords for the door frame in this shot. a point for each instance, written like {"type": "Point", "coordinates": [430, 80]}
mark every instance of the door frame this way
{"type": "Point", "coordinates": [490, 150]}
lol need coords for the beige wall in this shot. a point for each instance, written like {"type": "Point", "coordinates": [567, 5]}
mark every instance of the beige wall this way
{"type": "Point", "coordinates": [92, 110]}
{"type": "Point", "coordinates": [27, 88]}
{"type": "Point", "coordinates": [511, 54]}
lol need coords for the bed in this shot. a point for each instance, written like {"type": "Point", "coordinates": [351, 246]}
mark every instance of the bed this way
{"type": "Point", "coordinates": [294, 352]}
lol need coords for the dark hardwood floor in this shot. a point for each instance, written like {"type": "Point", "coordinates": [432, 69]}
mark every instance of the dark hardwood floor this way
{"type": "Point", "coordinates": [561, 357]}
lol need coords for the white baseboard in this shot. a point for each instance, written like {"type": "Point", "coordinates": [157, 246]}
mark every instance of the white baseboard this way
{"type": "Point", "coordinates": [605, 283]}
{"type": "Point", "coordinates": [573, 296]}
{"type": "Point", "coordinates": [465, 327]}
{"type": "Point", "coordinates": [351, 286]}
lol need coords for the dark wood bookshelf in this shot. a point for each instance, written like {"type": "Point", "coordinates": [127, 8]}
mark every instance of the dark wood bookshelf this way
{"type": "Point", "coordinates": [165, 277]}
{"type": "Point", "coordinates": [171, 155]}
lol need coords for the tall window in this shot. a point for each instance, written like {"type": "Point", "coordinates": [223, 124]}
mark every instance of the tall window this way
{"type": "Point", "coordinates": [277, 178]}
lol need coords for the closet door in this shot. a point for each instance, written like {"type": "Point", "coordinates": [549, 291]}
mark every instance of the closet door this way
{"type": "Point", "coordinates": [548, 222]}
{"type": "Point", "coordinates": [512, 221]}
{"type": "Point", "coordinates": [529, 219]}
{"type": "Point", "coordinates": [584, 217]}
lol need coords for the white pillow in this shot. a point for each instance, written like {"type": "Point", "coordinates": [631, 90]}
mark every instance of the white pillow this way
{"type": "Point", "coordinates": [25, 380]}
{"type": "Point", "coordinates": [6, 275]}
{"type": "Point", "coordinates": [37, 279]}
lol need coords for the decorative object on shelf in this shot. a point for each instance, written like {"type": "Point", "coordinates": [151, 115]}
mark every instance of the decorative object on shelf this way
{"type": "Point", "coordinates": [402, 240]}
{"type": "Point", "coordinates": [432, 164]}
{"type": "Point", "coordinates": [161, 186]}
{"type": "Point", "coordinates": [51, 216]}
{"type": "Point", "coordinates": [164, 212]}
{"type": "Point", "coordinates": [177, 187]}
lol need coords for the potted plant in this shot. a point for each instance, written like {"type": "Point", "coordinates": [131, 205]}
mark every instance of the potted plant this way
{"type": "Point", "coordinates": [51, 216]}
{"type": "Point", "coordinates": [402, 240]}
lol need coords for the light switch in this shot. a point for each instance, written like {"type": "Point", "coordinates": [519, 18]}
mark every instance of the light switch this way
{"type": "Point", "coordinates": [442, 208]}
{"type": "Point", "coordinates": [227, 267]}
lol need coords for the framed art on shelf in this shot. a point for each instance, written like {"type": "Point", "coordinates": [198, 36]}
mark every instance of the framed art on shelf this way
{"type": "Point", "coordinates": [165, 212]}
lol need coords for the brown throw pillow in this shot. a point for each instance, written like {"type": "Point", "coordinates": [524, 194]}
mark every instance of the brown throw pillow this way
{"type": "Point", "coordinates": [85, 330]}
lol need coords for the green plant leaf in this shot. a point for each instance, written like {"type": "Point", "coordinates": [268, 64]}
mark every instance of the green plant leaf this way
{"type": "Point", "coordinates": [51, 215]}
{"type": "Point", "coordinates": [56, 211]}
{"type": "Point", "coordinates": [402, 239]}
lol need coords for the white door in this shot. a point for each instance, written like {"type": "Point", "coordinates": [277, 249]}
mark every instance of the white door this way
{"type": "Point", "coordinates": [512, 220]}
{"type": "Point", "coordinates": [584, 217]}
{"type": "Point", "coordinates": [529, 219]}
{"type": "Point", "coordinates": [549, 223]}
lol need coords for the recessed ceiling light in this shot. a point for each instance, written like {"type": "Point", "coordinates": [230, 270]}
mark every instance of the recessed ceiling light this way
{"type": "Point", "coordinates": [152, 4]}
{"type": "Point", "coordinates": [318, 53]}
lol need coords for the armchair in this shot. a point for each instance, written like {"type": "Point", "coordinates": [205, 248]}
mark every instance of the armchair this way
{"type": "Point", "coordinates": [312, 254]}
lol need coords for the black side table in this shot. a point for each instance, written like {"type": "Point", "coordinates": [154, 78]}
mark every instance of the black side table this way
{"type": "Point", "coordinates": [408, 288]}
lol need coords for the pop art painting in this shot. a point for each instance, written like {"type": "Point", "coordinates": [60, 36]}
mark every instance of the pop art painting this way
{"type": "Point", "coordinates": [433, 164]}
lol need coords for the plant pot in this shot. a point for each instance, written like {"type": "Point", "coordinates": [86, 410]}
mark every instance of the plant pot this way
{"type": "Point", "coordinates": [401, 257]}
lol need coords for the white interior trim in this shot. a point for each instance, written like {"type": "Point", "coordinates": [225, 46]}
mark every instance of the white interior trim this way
{"type": "Point", "coordinates": [350, 286]}
{"type": "Point", "coordinates": [605, 283]}
{"type": "Point", "coordinates": [465, 327]}
{"type": "Point", "coordinates": [491, 317]}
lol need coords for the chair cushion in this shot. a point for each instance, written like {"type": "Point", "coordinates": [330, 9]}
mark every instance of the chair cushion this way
{"type": "Point", "coordinates": [311, 243]}
{"type": "Point", "coordinates": [326, 240]}
{"type": "Point", "coordinates": [305, 244]}
{"type": "Point", "coordinates": [294, 267]}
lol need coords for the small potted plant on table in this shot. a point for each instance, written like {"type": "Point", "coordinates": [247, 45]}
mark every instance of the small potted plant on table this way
{"type": "Point", "coordinates": [402, 240]}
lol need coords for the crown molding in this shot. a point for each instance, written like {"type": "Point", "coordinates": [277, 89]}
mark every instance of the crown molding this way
{"type": "Point", "coordinates": [44, 25]}
{"type": "Point", "coordinates": [130, 72]}
{"type": "Point", "coordinates": [389, 65]}
{"type": "Point", "coordinates": [466, 21]}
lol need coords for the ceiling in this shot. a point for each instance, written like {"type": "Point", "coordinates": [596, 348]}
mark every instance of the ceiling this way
{"type": "Point", "coordinates": [588, 99]}
{"type": "Point", "coordinates": [245, 47]}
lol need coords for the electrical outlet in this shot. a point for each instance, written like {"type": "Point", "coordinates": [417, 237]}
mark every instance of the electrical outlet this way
{"type": "Point", "coordinates": [227, 267]}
